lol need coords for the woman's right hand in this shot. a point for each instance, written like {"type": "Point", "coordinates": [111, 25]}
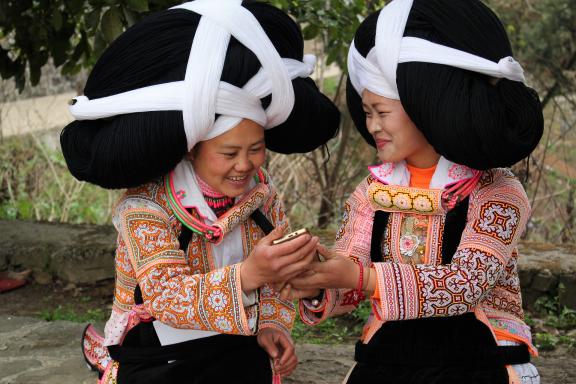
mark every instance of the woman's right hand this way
{"type": "Point", "coordinates": [279, 263]}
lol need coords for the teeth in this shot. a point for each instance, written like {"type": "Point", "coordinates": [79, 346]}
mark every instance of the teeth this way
{"type": "Point", "coordinates": [237, 178]}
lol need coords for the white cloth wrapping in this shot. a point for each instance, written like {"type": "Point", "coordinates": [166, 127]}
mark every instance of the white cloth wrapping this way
{"type": "Point", "coordinates": [201, 95]}
{"type": "Point", "coordinates": [377, 72]}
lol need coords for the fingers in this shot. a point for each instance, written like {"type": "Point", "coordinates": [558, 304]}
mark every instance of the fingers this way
{"type": "Point", "coordinates": [276, 233]}
{"type": "Point", "coordinates": [292, 245]}
{"type": "Point", "coordinates": [288, 360]}
{"type": "Point", "coordinates": [266, 341]}
{"type": "Point", "coordinates": [326, 253]}
{"type": "Point", "coordinates": [287, 368]}
{"type": "Point", "coordinates": [299, 259]}
{"type": "Point", "coordinates": [286, 293]}
{"type": "Point", "coordinates": [287, 347]}
{"type": "Point", "coordinates": [308, 282]}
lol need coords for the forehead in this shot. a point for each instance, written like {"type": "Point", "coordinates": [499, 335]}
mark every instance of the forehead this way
{"type": "Point", "coordinates": [245, 133]}
{"type": "Point", "coordinates": [370, 98]}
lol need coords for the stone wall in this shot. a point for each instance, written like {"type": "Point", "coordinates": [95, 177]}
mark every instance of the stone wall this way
{"type": "Point", "coordinates": [83, 254]}
{"type": "Point", "coordinates": [548, 269]}
{"type": "Point", "coordinates": [78, 254]}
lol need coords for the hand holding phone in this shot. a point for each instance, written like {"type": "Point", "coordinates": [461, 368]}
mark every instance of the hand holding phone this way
{"type": "Point", "coordinates": [272, 264]}
{"type": "Point", "coordinates": [290, 236]}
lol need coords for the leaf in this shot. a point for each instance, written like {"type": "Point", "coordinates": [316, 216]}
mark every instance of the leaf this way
{"type": "Point", "coordinates": [59, 50]}
{"type": "Point", "coordinates": [57, 19]}
{"type": "Point", "coordinates": [75, 6]}
{"type": "Point", "coordinates": [81, 48]}
{"type": "Point", "coordinates": [310, 31]}
{"type": "Point", "coordinates": [93, 19]}
{"type": "Point", "coordinates": [131, 17]}
{"type": "Point", "coordinates": [99, 44]}
{"type": "Point", "coordinates": [35, 64]}
{"type": "Point", "coordinates": [137, 5]}
{"type": "Point", "coordinates": [70, 68]}
{"type": "Point", "coordinates": [111, 24]}
{"type": "Point", "coordinates": [19, 76]}
{"type": "Point", "coordinates": [8, 68]}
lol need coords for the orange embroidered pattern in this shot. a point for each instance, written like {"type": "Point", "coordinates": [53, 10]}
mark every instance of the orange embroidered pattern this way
{"type": "Point", "coordinates": [249, 204]}
{"type": "Point", "coordinates": [183, 289]}
{"type": "Point", "coordinates": [498, 220]}
{"type": "Point", "coordinates": [393, 198]}
{"type": "Point", "coordinates": [149, 238]}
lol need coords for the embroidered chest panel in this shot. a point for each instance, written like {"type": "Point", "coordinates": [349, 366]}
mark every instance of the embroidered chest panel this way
{"type": "Point", "coordinates": [413, 239]}
{"type": "Point", "coordinates": [415, 225]}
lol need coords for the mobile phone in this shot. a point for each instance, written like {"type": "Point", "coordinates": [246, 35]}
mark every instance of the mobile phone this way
{"type": "Point", "coordinates": [290, 236]}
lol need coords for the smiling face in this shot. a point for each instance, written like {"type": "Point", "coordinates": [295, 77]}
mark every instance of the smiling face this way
{"type": "Point", "coordinates": [396, 136]}
{"type": "Point", "coordinates": [228, 162]}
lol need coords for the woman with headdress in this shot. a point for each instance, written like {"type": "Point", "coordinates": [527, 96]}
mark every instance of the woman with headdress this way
{"type": "Point", "coordinates": [431, 234]}
{"type": "Point", "coordinates": [179, 110]}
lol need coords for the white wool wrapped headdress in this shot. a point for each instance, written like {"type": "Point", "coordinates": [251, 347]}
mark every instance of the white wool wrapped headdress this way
{"type": "Point", "coordinates": [201, 97]}
{"type": "Point", "coordinates": [377, 71]}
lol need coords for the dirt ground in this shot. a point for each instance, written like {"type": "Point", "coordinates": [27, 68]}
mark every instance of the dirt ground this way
{"type": "Point", "coordinates": [319, 364]}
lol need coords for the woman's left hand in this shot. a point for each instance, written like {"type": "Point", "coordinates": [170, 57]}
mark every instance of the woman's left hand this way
{"type": "Point", "coordinates": [337, 271]}
{"type": "Point", "coordinates": [280, 348]}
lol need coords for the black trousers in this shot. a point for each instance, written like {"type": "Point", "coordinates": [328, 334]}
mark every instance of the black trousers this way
{"type": "Point", "coordinates": [450, 350]}
{"type": "Point", "coordinates": [216, 359]}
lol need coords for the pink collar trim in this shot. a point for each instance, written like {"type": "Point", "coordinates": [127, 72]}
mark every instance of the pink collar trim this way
{"type": "Point", "coordinates": [447, 173]}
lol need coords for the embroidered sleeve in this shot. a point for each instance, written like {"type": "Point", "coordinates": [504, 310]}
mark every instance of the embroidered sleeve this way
{"type": "Point", "coordinates": [497, 217]}
{"type": "Point", "coordinates": [275, 313]}
{"type": "Point", "coordinates": [352, 239]}
{"type": "Point", "coordinates": [211, 301]}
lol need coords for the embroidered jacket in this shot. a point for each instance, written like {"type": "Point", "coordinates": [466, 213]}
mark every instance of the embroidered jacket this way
{"type": "Point", "coordinates": [186, 289]}
{"type": "Point", "coordinates": [482, 277]}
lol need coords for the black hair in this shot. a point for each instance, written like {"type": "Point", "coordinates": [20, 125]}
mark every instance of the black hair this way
{"type": "Point", "coordinates": [132, 149]}
{"type": "Point", "coordinates": [462, 115]}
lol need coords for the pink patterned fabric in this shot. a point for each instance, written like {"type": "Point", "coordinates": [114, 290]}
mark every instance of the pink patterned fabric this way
{"type": "Point", "coordinates": [481, 277]}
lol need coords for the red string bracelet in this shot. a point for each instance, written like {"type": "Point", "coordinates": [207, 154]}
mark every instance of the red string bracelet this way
{"type": "Point", "coordinates": [355, 296]}
{"type": "Point", "coordinates": [360, 278]}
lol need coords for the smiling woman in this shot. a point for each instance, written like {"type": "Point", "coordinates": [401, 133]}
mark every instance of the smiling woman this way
{"type": "Point", "coordinates": [228, 162]}
{"type": "Point", "coordinates": [430, 235]}
{"type": "Point", "coordinates": [179, 110]}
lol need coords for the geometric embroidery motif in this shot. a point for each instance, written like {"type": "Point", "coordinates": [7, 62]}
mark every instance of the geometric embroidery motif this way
{"type": "Point", "coordinates": [498, 220]}
{"type": "Point", "coordinates": [151, 241]}
{"type": "Point", "coordinates": [342, 231]}
{"type": "Point", "coordinates": [393, 198]}
{"type": "Point", "coordinates": [458, 172]}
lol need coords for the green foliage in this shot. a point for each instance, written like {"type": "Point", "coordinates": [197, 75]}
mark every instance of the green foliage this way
{"type": "Point", "coordinates": [544, 40]}
{"type": "Point", "coordinates": [72, 32]}
{"type": "Point", "coordinates": [557, 317]}
{"type": "Point", "coordinates": [548, 342]}
{"type": "Point", "coordinates": [75, 32]}
{"type": "Point", "coordinates": [69, 314]}
{"type": "Point", "coordinates": [333, 22]}
{"type": "Point", "coordinates": [36, 185]}
{"type": "Point", "coordinates": [346, 328]}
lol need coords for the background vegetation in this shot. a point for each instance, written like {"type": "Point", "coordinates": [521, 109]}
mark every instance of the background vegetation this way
{"type": "Point", "coordinates": [71, 34]}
